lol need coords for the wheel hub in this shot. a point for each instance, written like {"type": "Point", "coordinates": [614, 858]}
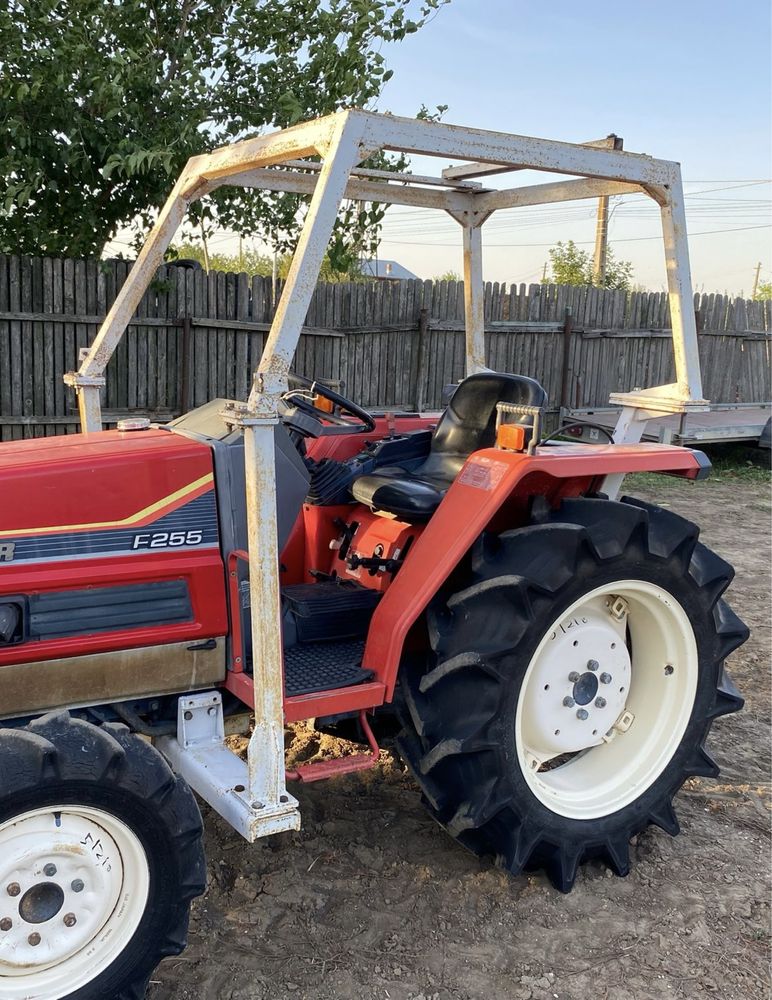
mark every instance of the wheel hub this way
{"type": "Point", "coordinates": [579, 686]}
{"type": "Point", "coordinates": [44, 861]}
{"type": "Point", "coordinates": [41, 903]}
{"type": "Point", "coordinates": [585, 688]}
{"type": "Point", "coordinates": [67, 897]}
{"type": "Point", "coordinates": [588, 745]}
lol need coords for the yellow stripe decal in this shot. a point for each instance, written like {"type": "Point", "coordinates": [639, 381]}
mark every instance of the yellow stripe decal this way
{"type": "Point", "coordinates": [125, 522]}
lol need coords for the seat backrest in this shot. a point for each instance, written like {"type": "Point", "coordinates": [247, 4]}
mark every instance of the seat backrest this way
{"type": "Point", "coordinates": [469, 422]}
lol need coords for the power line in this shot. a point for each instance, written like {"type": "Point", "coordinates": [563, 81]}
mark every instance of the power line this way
{"type": "Point", "coordinates": [630, 239]}
{"type": "Point", "coordinates": [721, 209]}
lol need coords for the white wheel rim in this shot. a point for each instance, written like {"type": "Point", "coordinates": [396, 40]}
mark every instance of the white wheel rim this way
{"type": "Point", "coordinates": [74, 884]}
{"type": "Point", "coordinates": [621, 747]}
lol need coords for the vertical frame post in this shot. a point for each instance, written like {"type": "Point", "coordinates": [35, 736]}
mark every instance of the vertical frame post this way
{"type": "Point", "coordinates": [267, 780]}
{"type": "Point", "coordinates": [679, 283]}
{"type": "Point", "coordinates": [90, 378]}
{"type": "Point", "coordinates": [629, 429]}
{"type": "Point", "coordinates": [265, 757]}
{"type": "Point", "coordinates": [474, 295]}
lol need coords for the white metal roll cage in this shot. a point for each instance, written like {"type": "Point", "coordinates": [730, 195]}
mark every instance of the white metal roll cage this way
{"type": "Point", "coordinates": [279, 161]}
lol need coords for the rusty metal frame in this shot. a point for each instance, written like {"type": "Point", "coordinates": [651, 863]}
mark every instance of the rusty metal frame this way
{"type": "Point", "coordinates": [286, 161]}
{"type": "Point", "coordinates": [276, 161]}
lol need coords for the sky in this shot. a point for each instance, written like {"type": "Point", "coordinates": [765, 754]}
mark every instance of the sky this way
{"type": "Point", "coordinates": [681, 80]}
{"type": "Point", "coordinates": [685, 80]}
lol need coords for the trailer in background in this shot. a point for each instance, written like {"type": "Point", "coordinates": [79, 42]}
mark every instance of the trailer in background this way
{"type": "Point", "coordinates": [721, 424]}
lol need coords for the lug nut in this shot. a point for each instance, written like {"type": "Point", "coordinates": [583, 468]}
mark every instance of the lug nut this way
{"type": "Point", "coordinates": [70, 920]}
{"type": "Point", "coordinates": [13, 889]}
{"type": "Point", "coordinates": [600, 702]}
{"type": "Point", "coordinates": [605, 678]}
{"type": "Point", "coordinates": [77, 885]}
{"type": "Point", "coordinates": [6, 924]}
{"type": "Point", "coordinates": [568, 701]}
{"type": "Point", "coordinates": [34, 939]}
{"type": "Point", "coordinates": [592, 664]}
{"type": "Point", "coordinates": [49, 871]}
{"type": "Point", "coordinates": [573, 676]}
{"type": "Point", "coordinates": [582, 714]}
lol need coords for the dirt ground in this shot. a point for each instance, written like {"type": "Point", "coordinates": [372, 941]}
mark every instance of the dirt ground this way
{"type": "Point", "coordinates": [372, 900]}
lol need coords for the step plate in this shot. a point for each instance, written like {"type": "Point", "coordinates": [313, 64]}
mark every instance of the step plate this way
{"type": "Point", "coordinates": [323, 666]}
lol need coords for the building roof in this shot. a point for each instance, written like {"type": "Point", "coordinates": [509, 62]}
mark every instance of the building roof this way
{"type": "Point", "coordinates": [387, 269]}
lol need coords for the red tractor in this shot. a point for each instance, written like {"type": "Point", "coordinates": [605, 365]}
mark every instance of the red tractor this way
{"type": "Point", "coordinates": [555, 656]}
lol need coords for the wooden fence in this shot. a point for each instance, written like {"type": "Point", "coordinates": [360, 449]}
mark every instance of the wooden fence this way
{"type": "Point", "coordinates": [394, 344]}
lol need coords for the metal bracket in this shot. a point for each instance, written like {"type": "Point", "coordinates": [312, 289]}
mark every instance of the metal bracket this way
{"type": "Point", "coordinates": [77, 381]}
{"type": "Point", "coordinates": [470, 217]}
{"type": "Point", "coordinates": [240, 415]}
{"type": "Point", "coordinates": [659, 400]}
{"type": "Point", "coordinates": [536, 412]}
{"type": "Point", "coordinates": [617, 607]}
{"type": "Point", "coordinates": [623, 723]}
{"type": "Point", "coordinates": [199, 755]}
{"type": "Point", "coordinates": [200, 720]}
{"type": "Point", "coordinates": [638, 407]}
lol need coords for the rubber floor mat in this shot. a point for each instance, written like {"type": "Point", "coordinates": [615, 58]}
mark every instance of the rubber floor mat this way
{"type": "Point", "coordinates": [323, 666]}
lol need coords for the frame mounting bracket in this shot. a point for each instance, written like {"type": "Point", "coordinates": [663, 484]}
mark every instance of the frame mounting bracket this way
{"type": "Point", "coordinates": [221, 778]}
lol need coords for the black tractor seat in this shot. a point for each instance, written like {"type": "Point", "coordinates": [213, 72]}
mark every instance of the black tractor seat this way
{"type": "Point", "coordinates": [467, 425]}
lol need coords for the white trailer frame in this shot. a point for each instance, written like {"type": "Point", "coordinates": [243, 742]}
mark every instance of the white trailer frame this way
{"type": "Point", "coordinates": [256, 801]}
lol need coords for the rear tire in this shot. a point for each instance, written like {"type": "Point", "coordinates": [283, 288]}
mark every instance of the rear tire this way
{"type": "Point", "coordinates": [100, 856]}
{"type": "Point", "coordinates": [509, 760]}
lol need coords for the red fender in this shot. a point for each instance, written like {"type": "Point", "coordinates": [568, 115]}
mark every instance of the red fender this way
{"type": "Point", "coordinates": [488, 479]}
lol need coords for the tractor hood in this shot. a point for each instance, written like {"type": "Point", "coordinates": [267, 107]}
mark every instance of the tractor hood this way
{"type": "Point", "coordinates": [84, 495]}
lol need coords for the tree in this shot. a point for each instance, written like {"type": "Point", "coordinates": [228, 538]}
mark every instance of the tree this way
{"type": "Point", "coordinates": [101, 104]}
{"type": "Point", "coordinates": [763, 292]}
{"type": "Point", "coordinates": [570, 265]}
{"type": "Point", "coordinates": [573, 266]}
{"type": "Point", "coordinates": [253, 262]}
{"type": "Point", "coordinates": [447, 276]}
{"type": "Point", "coordinates": [250, 261]}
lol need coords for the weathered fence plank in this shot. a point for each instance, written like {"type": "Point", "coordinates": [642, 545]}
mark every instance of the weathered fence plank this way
{"type": "Point", "coordinates": [197, 336]}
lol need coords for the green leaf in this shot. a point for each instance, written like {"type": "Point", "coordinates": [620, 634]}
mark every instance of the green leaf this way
{"type": "Point", "coordinates": [125, 93]}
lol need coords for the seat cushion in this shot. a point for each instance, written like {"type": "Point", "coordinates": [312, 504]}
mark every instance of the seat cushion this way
{"type": "Point", "coordinates": [413, 499]}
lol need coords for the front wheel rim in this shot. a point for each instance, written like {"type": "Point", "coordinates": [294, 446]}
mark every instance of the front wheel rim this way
{"type": "Point", "coordinates": [74, 885]}
{"type": "Point", "coordinates": [596, 726]}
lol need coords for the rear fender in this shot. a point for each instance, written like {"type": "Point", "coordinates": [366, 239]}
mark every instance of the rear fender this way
{"type": "Point", "coordinates": [493, 490]}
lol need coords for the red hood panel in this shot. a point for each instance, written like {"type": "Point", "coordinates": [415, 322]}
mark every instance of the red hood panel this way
{"type": "Point", "coordinates": [109, 479]}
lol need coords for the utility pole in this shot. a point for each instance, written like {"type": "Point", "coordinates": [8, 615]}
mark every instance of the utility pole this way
{"type": "Point", "coordinates": [544, 274]}
{"type": "Point", "coordinates": [241, 252]}
{"type": "Point", "coordinates": [756, 280]}
{"type": "Point", "coordinates": [600, 258]}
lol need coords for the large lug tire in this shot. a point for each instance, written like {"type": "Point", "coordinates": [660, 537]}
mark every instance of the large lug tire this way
{"type": "Point", "coordinates": [571, 686]}
{"type": "Point", "coordinates": [100, 856]}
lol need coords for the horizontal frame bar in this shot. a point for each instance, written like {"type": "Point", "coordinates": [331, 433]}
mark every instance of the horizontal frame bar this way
{"type": "Point", "coordinates": [391, 175]}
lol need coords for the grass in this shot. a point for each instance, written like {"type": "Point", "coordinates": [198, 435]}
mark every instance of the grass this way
{"type": "Point", "coordinates": [740, 462]}
{"type": "Point", "coordinates": [732, 463]}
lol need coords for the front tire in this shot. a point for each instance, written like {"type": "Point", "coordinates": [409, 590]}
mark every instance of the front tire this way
{"type": "Point", "coordinates": [571, 686]}
{"type": "Point", "coordinates": [100, 856]}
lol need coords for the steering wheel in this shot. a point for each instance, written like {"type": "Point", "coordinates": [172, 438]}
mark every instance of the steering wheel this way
{"type": "Point", "coordinates": [302, 401]}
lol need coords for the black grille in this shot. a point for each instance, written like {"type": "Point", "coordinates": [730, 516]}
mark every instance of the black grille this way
{"type": "Point", "coordinates": [107, 609]}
